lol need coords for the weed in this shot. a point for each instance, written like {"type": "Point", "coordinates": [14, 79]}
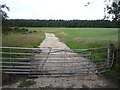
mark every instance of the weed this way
{"type": "Point", "coordinates": [27, 83]}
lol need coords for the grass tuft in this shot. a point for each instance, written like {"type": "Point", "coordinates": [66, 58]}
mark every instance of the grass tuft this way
{"type": "Point", "coordinates": [27, 83]}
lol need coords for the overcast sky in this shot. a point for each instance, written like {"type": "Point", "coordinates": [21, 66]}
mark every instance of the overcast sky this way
{"type": "Point", "coordinates": [55, 9]}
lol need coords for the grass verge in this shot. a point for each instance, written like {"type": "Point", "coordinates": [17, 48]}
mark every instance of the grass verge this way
{"type": "Point", "coordinates": [22, 40]}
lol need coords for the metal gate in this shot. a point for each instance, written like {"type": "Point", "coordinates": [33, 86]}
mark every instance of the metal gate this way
{"type": "Point", "coordinates": [56, 62]}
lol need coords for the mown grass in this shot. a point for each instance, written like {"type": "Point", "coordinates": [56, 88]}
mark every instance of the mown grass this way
{"type": "Point", "coordinates": [98, 33]}
{"type": "Point", "coordinates": [84, 37]}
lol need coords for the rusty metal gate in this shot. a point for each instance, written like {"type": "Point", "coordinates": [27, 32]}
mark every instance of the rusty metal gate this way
{"type": "Point", "coordinates": [56, 62]}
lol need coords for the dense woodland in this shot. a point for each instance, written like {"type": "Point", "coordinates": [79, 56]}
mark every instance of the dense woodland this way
{"type": "Point", "coordinates": [63, 23]}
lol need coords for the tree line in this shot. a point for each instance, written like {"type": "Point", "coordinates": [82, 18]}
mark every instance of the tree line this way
{"type": "Point", "coordinates": [63, 23]}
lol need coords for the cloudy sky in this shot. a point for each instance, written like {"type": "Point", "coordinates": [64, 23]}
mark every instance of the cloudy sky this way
{"type": "Point", "coordinates": [55, 9]}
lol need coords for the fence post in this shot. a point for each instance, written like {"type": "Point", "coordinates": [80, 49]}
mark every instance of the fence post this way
{"type": "Point", "coordinates": [110, 55]}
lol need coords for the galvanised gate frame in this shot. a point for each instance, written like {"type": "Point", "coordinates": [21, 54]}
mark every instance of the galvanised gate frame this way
{"type": "Point", "coordinates": [56, 62]}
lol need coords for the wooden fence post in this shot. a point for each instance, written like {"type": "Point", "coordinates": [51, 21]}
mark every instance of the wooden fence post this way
{"type": "Point", "coordinates": [110, 55]}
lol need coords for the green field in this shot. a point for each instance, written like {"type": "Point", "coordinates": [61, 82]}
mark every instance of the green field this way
{"type": "Point", "coordinates": [96, 33]}
{"type": "Point", "coordinates": [22, 40]}
{"type": "Point", "coordinates": [84, 37]}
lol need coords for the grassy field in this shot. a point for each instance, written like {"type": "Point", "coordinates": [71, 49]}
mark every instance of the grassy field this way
{"type": "Point", "coordinates": [29, 40]}
{"type": "Point", "coordinates": [84, 37]}
{"type": "Point", "coordinates": [22, 40]}
{"type": "Point", "coordinates": [94, 33]}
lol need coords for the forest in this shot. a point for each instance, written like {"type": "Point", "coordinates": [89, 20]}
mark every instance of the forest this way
{"type": "Point", "coordinates": [63, 23]}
